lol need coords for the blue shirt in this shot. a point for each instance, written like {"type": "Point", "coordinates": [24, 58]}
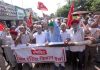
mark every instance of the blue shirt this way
{"type": "Point", "coordinates": [55, 36]}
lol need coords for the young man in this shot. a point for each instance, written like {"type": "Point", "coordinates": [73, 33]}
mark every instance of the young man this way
{"type": "Point", "coordinates": [77, 52]}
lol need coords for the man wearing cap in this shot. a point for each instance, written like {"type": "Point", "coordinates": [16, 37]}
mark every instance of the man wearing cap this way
{"type": "Point", "coordinates": [54, 36]}
{"type": "Point", "coordinates": [77, 52]}
{"type": "Point", "coordinates": [54, 33]}
{"type": "Point", "coordinates": [14, 35]}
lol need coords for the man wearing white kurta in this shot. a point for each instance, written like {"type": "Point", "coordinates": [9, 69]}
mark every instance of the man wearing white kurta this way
{"type": "Point", "coordinates": [77, 52]}
{"type": "Point", "coordinates": [65, 36]}
{"type": "Point", "coordinates": [24, 37]}
{"type": "Point", "coordinates": [40, 36]}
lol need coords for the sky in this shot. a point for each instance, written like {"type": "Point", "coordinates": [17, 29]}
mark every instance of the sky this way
{"type": "Point", "coordinates": [52, 5]}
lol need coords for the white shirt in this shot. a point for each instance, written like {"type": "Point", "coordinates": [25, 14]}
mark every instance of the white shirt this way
{"type": "Point", "coordinates": [64, 35]}
{"type": "Point", "coordinates": [40, 38]}
{"type": "Point", "coordinates": [77, 37]}
{"type": "Point", "coordinates": [9, 41]}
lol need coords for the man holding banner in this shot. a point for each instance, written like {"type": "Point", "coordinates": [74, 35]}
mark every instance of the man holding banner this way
{"type": "Point", "coordinates": [54, 36]}
{"type": "Point", "coordinates": [77, 52]}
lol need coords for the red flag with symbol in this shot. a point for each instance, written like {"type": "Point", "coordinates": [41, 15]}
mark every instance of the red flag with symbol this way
{"type": "Point", "coordinates": [70, 16]}
{"type": "Point", "coordinates": [41, 6]}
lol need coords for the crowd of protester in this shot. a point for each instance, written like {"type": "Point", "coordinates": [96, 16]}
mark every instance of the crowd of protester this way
{"type": "Point", "coordinates": [54, 30]}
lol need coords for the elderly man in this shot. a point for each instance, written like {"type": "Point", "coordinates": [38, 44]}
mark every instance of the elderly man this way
{"type": "Point", "coordinates": [96, 22]}
{"type": "Point", "coordinates": [24, 36]}
{"type": "Point", "coordinates": [8, 41]}
{"type": "Point", "coordinates": [77, 52]}
{"type": "Point", "coordinates": [54, 36]}
{"type": "Point", "coordinates": [65, 36]}
{"type": "Point", "coordinates": [53, 33]}
{"type": "Point", "coordinates": [40, 36]}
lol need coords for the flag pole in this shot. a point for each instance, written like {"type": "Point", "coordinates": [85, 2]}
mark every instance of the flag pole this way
{"type": "Point", "coordinates": [42, 13]}
{"type": "Point", "coordinates": [22, 3]}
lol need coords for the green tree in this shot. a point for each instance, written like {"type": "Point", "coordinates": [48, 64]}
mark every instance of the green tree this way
{"type": "Point", "coordinates": [63, 11]}
{"type": "Point", "coordinates": [95, 5]}
{"type": "Point", "coordinates": [90, 5]}
{"type": "Point", "coordinates": [86, 5]}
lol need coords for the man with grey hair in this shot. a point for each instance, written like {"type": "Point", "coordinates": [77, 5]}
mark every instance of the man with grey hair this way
{"type": "Point", "coordinates": [65, 36]}
{"type": "Point", "coordinates": [40, 36]}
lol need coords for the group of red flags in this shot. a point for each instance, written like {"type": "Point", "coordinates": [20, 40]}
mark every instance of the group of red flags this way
{"type": "Point", "coordinates": [42, 7]}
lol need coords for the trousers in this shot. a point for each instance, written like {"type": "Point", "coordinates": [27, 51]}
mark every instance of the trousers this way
{"type": "Point", "coordinates": [77, 60]}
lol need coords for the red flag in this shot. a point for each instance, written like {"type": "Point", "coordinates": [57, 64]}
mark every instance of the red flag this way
{"type": "Point", "coordinates": [29, 21]}
{"type": "Point", "coordinates": [70, 16]}
{"type": "Point", "coordinates": [1, 27]}
{"type": "Point", "coordinates": [41, 6]}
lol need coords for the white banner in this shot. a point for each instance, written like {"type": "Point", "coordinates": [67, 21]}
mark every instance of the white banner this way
{"type": "Point", "coordinates": [33, 54]}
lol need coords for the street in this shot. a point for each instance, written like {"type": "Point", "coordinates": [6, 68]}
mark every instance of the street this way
{"type": "Point", "coordinates": [50, 67]}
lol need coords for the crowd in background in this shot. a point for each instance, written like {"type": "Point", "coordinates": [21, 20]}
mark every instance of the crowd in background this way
{"type": "Point", "coordinates": [54, 30]}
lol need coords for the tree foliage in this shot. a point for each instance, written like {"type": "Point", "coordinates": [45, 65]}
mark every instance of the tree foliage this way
{"type": "Point", "coordinates": [92, 5]}
{"type": "Point", "coordinates": [63, 11]}
{"type": "Point", "coordinates": [86, 5]}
